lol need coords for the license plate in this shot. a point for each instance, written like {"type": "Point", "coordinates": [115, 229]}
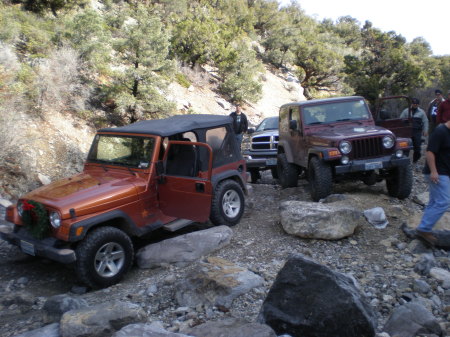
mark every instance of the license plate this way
{"type": "Point", "coordinates": [374, 165]}
{"type": "Point", "coordinates": [271, 162]}
{"type": "Point", "coordinates": [27, 248]}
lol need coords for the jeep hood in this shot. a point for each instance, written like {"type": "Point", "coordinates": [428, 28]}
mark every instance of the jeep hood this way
{"type": "Point", "coordinates": [338, 133]}
{"type": "Point", "coordinates": [87, 193]}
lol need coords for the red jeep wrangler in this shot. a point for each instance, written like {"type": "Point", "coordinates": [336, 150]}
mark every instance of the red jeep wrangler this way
{"type": "Point", "coordinates": [158, 173]}
{"type": "Point", "coordinates": [336, 139]}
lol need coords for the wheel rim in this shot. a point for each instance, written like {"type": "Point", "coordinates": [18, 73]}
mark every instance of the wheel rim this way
{"type": "Point", "coordinates": [109, 259]}
{"type": "Point", "coordinates": [231, 203]}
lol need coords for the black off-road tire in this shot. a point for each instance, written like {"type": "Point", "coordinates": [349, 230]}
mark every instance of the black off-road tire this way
{"type": "Point", "coordinates": [320, 179]}
{"type": "Point", "coordinates": [108, 244]}
{"type": "Point", "coordinates": [255, 175]}
{"type": "Point", "coordinates": [287, 172]}
{"type": "Point", "coordinates": [399, 182]}
{"type": "Point", "coordinates": [228, 203]}
{"type": "Point", "coordinates": [274, 171]}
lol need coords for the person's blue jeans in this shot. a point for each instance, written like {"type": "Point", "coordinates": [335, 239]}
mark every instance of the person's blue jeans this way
{"type": "Point", "coordinates": [438, 203]}
{"type": "Point", "coordinates": [239, 137]}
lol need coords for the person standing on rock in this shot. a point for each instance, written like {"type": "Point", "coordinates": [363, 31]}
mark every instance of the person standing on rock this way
{"type": "Point", "coordinates": [420, 126]}
{"type": "Point", "coordinates": [240, 124]}
{"type": "Point", "coordinates": [437, 172]}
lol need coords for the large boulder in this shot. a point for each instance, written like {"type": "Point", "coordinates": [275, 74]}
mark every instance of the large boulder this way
{"type": "Point", "coordinates": [57, 305]}
{"type": "Point", "coordinates": [309, 299]}
{"type": "Point", "coordinates": [101, 320]}
{"type": "Point", "coordinates": [410, 320]}
{"type": "Point", "coordinates": [231, 327]}
{"type": "Point", "coordinates": [311, 220]}
{"type": "Point", "coordinates": [51, 330]}
{"type": "Point", "coordinates": [146, 330]}
{"type": "Point", "coordinates": [215, 282]}
{"type": "Point", "coordinates": [185, 248]}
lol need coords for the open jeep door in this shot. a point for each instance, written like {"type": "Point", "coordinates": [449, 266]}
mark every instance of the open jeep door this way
{"type": "Point", "coordinates": [185, 189]}
{"type": "Point", "coordinates": [387, 114]}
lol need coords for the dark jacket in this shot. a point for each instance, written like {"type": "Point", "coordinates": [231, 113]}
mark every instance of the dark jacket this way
{"type": "Point", "coordinates": [242, 126]}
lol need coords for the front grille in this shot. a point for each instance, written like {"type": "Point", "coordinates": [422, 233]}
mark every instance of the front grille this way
{"type": "Point", "coordinates": [367, 147]}
{"type": "Point", "coordinates": [264, 143]}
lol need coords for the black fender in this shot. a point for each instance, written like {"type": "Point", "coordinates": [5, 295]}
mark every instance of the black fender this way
{"type": "Point", "coordinates": [125, 223]}
{"type": "Point", "coordinates": [230, 174]}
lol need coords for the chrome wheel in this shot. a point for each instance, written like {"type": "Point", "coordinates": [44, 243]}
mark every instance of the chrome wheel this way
{"type": "Point", "coordinates": [231, 203]}
{"type": "Point", "coordinates": [109, 259]}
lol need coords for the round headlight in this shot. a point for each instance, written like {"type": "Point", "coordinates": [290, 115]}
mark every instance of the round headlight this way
{"type": "Point", "coordinates": [388, 142]}
{"type": "Point", "coordinates": [344, 160]}
{"type": "Point", "coordinates": [399, 153]}
{"type": "Point", "coordinates": [345, 147]}
{"type": "Point", "coordinates": [20, 208]}
{"type": "Point", "coordinates": [55, 219]}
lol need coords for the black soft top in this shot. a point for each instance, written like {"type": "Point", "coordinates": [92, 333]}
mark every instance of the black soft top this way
{"type": "Point", "coordinates": [172, 125]}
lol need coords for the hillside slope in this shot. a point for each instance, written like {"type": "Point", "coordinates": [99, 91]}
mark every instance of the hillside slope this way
{"type": "Point", "coordinates": [56, 145]}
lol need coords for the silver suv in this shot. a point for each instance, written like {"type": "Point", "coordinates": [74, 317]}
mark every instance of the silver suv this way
{"type": "Point", "coordinates": [259, 148]}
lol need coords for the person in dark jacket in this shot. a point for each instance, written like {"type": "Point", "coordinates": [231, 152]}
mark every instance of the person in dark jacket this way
{"type": "Point", "coordinates": [432, 109]}
{"type": "Point", "coordinates": [420, 126]}
{"type": "Point", "coordinates": [240, 124]}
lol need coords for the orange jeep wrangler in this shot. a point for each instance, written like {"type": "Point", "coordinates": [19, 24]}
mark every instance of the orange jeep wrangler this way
{"type": "Point", "coordinates": [138, 178]}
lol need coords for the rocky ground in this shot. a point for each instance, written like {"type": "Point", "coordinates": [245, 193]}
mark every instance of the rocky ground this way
{"type": "Point", "coordinates": [385, 262]}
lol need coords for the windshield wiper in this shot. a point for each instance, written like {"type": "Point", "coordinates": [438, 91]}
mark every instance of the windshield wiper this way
{"type": "Point", "coordinates": [314, 123]}
{"type": "Point", "coordinates": [344, 120]}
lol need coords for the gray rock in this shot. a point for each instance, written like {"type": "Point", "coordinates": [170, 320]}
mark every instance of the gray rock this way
{"type": "Point", "coordinates": [312, 220]}
{"type": "Point", "coordinates": [57, 305]}
{"type": "Point", "coordinates": [215, 282]}
{"type": "Point", "coordinates": [231, 328]}
{"type": "Point", "coordinates": [184, 248]}
{"type": "Point", "coordinates": [51, 330]}
{"type": "Point", "coordinates": [440, 274]}
{"type": "Point", "coordinates": [376, 217]}
{"type": "Point", "coordinates": [410, 320]}
{"type": "Point", "coordinates": [5, 203]}
{"type": "Point", "coordinates": [426, 262]}
{"type": "Point", "coordinates": [101, 320]}
{"type": "Point", "coordinates": [146, 330]}
{"type": "Point", "coordinates": [309, 299]}
{"type": "Point", "coordinates": [421, 286]}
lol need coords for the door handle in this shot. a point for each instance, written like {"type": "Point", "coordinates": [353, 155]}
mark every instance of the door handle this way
{"type": "Point", "coordinates": [200, 187]}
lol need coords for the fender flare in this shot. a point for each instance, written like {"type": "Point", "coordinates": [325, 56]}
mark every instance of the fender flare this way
{"type": "Point", "coordinates": [127, 224]}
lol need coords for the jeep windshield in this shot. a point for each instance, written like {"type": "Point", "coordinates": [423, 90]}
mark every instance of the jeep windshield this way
{"type": "Point", "coordinates": [270, 123]}
{"type": "Point", "coordinates": [129, 151]}
{"type": "Point", "coordinates": [335, 112]}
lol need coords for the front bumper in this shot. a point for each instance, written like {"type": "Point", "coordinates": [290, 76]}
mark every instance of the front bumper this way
{"type": "Point", "coordinates": [44, 248]}
{"type": "Point", "coordinates": [386, 162]}
{"type": "Point", "coordinates": [260, 159]}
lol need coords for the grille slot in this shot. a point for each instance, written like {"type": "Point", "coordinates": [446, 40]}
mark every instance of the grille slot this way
{"type": "Point", "coordinates": [264, 143]}
{"type": "Point", "coordinates": [367, 147]}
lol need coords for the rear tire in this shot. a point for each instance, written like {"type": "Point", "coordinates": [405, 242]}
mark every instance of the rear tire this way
{"type": "Point", "coordinates": [287, 172]}
{"type": "Point", "coordinates": [103, 257]}
{"type": "Point", "coordinates": [274, 171]}
{"type": "Point", "coordinates": [320, 179]}
{"type": "Point", "coordinates": [228, 203]}
{"type": "Point", "coordinates": [400, 181]}
{"type": "Point", "coordinates": [255, 175]}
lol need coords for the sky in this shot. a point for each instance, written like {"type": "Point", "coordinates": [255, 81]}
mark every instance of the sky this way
{"type": "Point", "coordinates": [411, 19]}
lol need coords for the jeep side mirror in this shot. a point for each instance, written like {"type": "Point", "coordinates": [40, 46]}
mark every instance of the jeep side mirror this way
{"type": "Point", "coordinates": [293, 125]}
{"type": "Point", "coordinates": [250, 130]}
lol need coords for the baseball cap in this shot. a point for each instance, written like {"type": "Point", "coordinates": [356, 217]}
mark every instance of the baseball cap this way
{"type": "Point", "coordinates": [437, 91]}
{"type": "Point", "coordinates": [415, 101]}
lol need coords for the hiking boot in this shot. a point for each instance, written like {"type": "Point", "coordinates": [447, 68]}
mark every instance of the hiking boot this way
{"type": "Point", "coordinates": [427, 237]}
